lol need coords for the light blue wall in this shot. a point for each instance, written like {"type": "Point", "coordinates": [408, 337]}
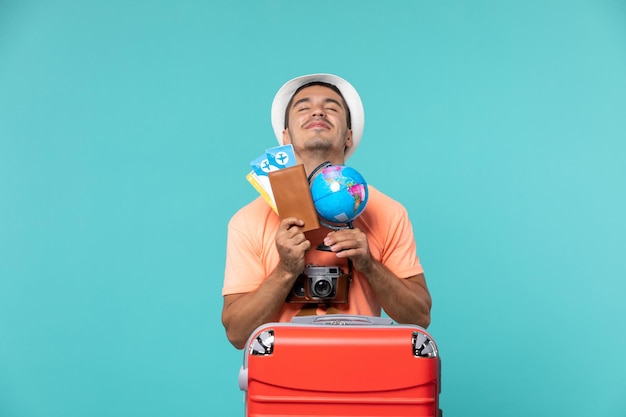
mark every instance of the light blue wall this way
{"type": "Point", "coordinates": [125, 133]}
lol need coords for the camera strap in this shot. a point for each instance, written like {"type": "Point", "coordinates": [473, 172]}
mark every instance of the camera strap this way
{"type": "Point", "coordinates": [317, 169]}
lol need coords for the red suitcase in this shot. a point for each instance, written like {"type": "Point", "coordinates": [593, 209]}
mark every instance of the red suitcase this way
{"type": "Point", "coordinates": [339, 365]}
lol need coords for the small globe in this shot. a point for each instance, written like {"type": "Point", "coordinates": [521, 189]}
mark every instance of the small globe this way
{"type": "Point", "coordinates": [339, 194]}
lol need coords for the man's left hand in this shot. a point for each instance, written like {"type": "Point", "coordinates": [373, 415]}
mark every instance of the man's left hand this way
{"type": "Point", "coordinates": [351, 243]}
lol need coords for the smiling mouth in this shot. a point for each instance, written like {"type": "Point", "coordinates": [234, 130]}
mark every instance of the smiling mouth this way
{"type": "Point", "coordinates": [318, 125]}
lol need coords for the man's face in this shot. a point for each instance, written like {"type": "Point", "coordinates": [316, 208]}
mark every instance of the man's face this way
{"type": "Point", "coordinates": [318, 122]}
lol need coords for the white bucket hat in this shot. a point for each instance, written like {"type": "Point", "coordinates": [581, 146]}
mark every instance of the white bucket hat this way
{"type": "Point", "coordinates": [281, 100]}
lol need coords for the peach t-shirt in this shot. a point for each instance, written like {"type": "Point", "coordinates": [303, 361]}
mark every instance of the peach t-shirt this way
{"type": "Point", "coordinates": [251, 253]}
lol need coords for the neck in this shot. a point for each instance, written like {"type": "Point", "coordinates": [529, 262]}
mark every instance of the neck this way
{"type": "Point", "coordinates": [311, 162]}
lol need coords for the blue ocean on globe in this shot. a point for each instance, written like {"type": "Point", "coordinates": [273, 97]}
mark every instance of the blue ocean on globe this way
{"type": "Point", "coordinates": [339, 194]}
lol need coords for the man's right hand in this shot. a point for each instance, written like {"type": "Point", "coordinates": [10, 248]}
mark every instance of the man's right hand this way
{"type": "Point", "coordinates": [291, 245]}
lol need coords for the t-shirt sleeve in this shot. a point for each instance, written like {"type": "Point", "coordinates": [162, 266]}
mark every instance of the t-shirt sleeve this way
{"type": "Point", "coordinates": [400, 254]}
{"type": "Point", "coordinates": [244, 271]}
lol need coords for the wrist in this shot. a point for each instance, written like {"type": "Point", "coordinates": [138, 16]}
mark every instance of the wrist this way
{"type": "Point", "coordinates": [286, 273]}
{"type": "Point", "coordinates": [366, 267]}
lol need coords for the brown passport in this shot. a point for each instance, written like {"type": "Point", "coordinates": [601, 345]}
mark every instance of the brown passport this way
{"type": "Point", "coordinates": [292, 195]}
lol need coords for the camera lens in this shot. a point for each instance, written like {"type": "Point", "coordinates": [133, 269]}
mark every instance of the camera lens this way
{"type": "Point", "coordinates": [322, 287]}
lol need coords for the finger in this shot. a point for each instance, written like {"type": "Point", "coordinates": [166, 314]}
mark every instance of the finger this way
{"type": "Point", "coordinates": [345, 240]}
{"type": "Point", "coordinates": [288, 234]}
{"type": "Point", "coordinates": [297, 239]}
{"type": "Point", "coordinates": [348, 253]}
{"type": "Point", "coordinates": [289, 222]}
{"type": "Point", "coordinates": [304, 245]}
{"type": "Point", "coordinates": [345, 245]}
{"type": "Point", "coordinates": [344, 234]}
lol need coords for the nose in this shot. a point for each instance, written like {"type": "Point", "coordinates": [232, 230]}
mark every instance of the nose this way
{"type": "Point", "coordinates": [318, 110]}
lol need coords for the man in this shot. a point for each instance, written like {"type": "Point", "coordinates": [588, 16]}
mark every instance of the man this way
{"type": "Point", "coordinates": [321, 115]}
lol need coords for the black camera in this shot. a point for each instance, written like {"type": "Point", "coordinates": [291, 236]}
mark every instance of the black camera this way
{"type": "Point", "coordinates": [319, 285]}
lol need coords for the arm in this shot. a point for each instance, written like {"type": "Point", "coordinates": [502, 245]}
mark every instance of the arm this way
{"type": "Point", "coordinates": [242, 313]}
{"type": "Point", "coordinates": [405, 300]}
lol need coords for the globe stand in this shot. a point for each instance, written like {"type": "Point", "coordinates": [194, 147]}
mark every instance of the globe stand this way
{"type": "Point", "coordinates": [335, 227]}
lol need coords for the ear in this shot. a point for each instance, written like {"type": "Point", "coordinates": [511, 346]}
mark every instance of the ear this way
{"type": "Point", "coordinates": [349, 142]}
{"type": "Point", "coordinates": [286, 137]}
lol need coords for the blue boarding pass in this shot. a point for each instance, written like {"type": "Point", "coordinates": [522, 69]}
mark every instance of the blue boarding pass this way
{"type": "Point", "coordinates": [273, 159]}
{"type": "Point", "coordinates": [261, 166]}
{"type": "Point", "coordinates": [280, 157]}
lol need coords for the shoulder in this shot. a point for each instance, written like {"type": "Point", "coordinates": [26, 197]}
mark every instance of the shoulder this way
{"type": "Point", "coordinates": [253, 214]}
{"type": "Point", "coordinates": [383, 214]}
{"type": "Point", "coordinates": [381, 202]}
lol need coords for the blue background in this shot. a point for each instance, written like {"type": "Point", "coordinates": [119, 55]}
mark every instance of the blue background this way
{"type": "Point", "coordinates": [126, 129]}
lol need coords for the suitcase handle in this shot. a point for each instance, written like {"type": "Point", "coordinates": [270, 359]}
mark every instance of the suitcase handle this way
{"type": "Point", "coordinates": [343, 320]}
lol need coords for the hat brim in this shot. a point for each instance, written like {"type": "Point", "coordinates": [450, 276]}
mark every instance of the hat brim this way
{"type": "Point", "coordinates": [349, 93]}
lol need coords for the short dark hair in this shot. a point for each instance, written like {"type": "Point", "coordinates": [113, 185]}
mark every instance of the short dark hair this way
{"type": "Point", "coordinates": [323, 84]}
